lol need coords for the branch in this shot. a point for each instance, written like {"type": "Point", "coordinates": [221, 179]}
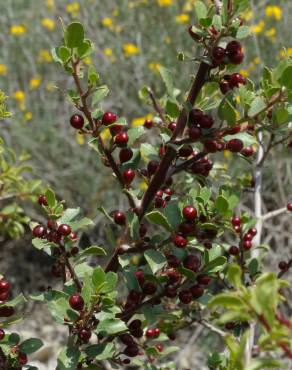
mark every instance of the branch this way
{"type": "Point", "coordinates": [218, 6]}
{"type": "Point", "coordinates": [212, 328]}
{"type": "Point", "coordinates": [156, 106]}
{"type": "Point", "coordinates": [73, 275]}
{"type": "Point", "coordinates": [274, 213]}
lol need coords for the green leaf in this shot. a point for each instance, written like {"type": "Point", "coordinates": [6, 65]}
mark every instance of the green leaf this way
{"type": "Point", "coordinates": [74, 35]}
{"type": "Point", "coordinates": [257, 106]}
{"type": "Point", "coordinates": [286, 78]}
{"type": "Point", "coordinates": [173, 214]}
{"type": "Point", "coordinates": [155, 259]}
{"type": "Point", "coordinates": [68, 358]}
{"type": "Point", "coordinates": [50, 197]}
{"type": "Point", "coordinates": [243, 32]}
{"type": "Point", "coordinates": [263, 363]}
{"type": "Point", "coordinates": [111, 280]}
{"type": "Point", "coordinates": [93, 76]}
{"type": "Point", "coordinates": [99, 94]}
{"type": "Point", "coordinates": [201, 10]}
{"type": "Point", "coordinates": [85, 49]}
{"type": "Point", "coordinates": [31, 345]}
{"type": "Point", "coordinates": [111, 326]}
{"type": "Point", "coordinates": [134, 134]}
{"type": "Point", "coordinates": [221, 204]}
{"type": "Point", "coordinates": [227, 111]}
{"type": "Point", "coordinates": [92, 250]}
{"type": "Point", "coordinates": [216, 264]}
{"type": "Point", "coordinates": [281, 115]}
{"type": "Point", "coordinates": [167, 78]}
{"type": "Point", "coordinates": [234, 275]}
{"type": "Point", "coordinates": [76, 225]}
{"type": "Point", "coordinates": [217, 22]}
{"type": "Point", "coordinates": [100, 352]}
{"type": "Point", "coordinates": [172, 108]}
{"type": "Point", "coordinates": [226, 300]}
{"type": "Point", "coordinates": [158, 218]}
{"type": "Point", "coordinates": [134, 226]}
{"type": "Point", "coordinates": [98, 278]}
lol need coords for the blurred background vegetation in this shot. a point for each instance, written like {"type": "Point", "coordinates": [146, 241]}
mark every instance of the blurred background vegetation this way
{"type": "Point", "coordinates": [132, 39]}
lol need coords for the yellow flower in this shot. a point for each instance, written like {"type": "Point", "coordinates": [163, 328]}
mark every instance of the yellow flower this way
{"type": "Point", "coordinates": [48, 23]}
{"type": "Point", "coordinates": [274, 11]}
{"type": "Point", "coordinates": [258, 28]}
{"type": "Point", "coordinates": [244, 72]}
{"type": "Point", "coordinates": [35, 82]}
{"type": "Point", "coordinates": [50, 4]}
{"type": "Point", "coordinates": [182, 18]}
{"type": "Point", "coordinates": [286, 53]}
{"type": "Point", "coordinates": [227, 154]}
{"type": "Point", "coordinates": [271, 33]}
{"type": "Point", "coordinates": [139, 121]}
{"type": "Point", "coordinates": [143, 185]}
{"type": "Point", "coordinates": [105, 134]}
{"type": "Point", "coordinates": [163, 3]}
{"type": "Point", "coordinates": [248, 15]}
{"type": "Point", "coordinates": [17, 29]}
{"type": "Point", "coordinates": [237, 98]}
{"type": "Point", "coordinates": [28, 116]}
{"type": "Point", "coordinates": [80, 138]}
{"type": "Point", "coordinates": [73, 8]}
{"type": "Point", "coordinates": [108, 52]}
{"type": "Point", "coordinates": [189, 5]}
{"type": "Point", "coordinates": [130, 49]}
{"type": "Point", "coordinates": [257, 60]}
{"type": "Point", "coordinates": [19, 96]}
{"type": "Point", "coordinates": [107, 22]}
{"type": "Point", "coordinates": [87, 61]}
{"type": "Point", "coordinates": [3, 69]}
{"type": "Point", "coordinates": [45, 56]}
{"type": "Point", "coordinates": [154, 66]}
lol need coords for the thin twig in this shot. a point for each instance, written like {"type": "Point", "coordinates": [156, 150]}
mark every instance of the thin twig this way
{"type": "Point", "coordinates": [275, 213]}
{"type": "Point", "coordinates": [156, 106]}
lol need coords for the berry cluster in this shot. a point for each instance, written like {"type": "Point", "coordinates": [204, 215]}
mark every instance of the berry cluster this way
{"type": "Point", "coordinates": [84, 332]}
{"type": "Point", "coordinates": [232, 54]}
{"type": "Point", "coordinates": [5, 311]}
{"type": "Point", "coordinates": [229, 82]}
{"type": "Point", "coordinates": [245, 239]}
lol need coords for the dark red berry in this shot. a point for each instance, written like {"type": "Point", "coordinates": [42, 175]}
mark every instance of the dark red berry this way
{"type": "Point", "coordinates": [211, 146]}
{"type": "Point", "coordinates": [73, 236]}
{"type": "Point", "coordinates": [234, 145]}
{"type": "Point", "coordinates": [119, 218]}
{"type": "Point", "coordinates": [4, 296]}
{"type": "Point", "coordinates": [131, 351]}
{"type": "Point", "coordinates": [172, 126]}
{"type": "Point", "coordinates": [230, 325]}
{"type": "Point", "coordinates": [187, 228]}
{"type": "Point", "coordinates": [152, 167]}
{"type": "Point", "coordinates": [149, 288]}
{"type": "Point", "coordinates": [185, 296]}
{"type": "Point", "coordinates": [237, 229]}
{"type": "Point", "coordinates": [195, 133]}
{"type": "Point", "coordinates": [142, 230]}
{"type": "Point", "coordinates": [135, 325]}
{"type": "Point", "coordinates": [64, 229]}
{"type": "Point", "coordinates": [289, 207]}
{"type": "Point", "coordinates": [125, 155]}
{"type": "Point", "coordinates": [247, 152]}
{"type": "Point", "coordinates": [173, 261]}
{"type": "Point", "coordinates": [192, 262]}
{"type": "Point", "coordinates": [22, 358]}
{"type": "Point", "coordinates": [253, 231]}
{"type": "Point", "coordinates": [150, 333]}
{"type": "Point", "coordinates": [196, 116]}
{"type": "Point", "coordinates": [193, 35]}
{"type": "Point", "coordinates": [6, 311]}
{"type": "Point", "coordinates": [76, 302]}
{"type": "Point", "coordinates": [42, 200]}
{"type": "Point", "coordinates": [128, 176]}
{"type": "Point", "coordinates": [197, 291]}
{"type": "Point", "coordinates": [126, 361]}
{"type": "Point", "coordinates": [206, 122]}
{"type": "Point", "coordinates": [121, 139]}
{"type": "Point", "coordinates": [139, 274]}
{"type": "Point", "coordinates": [190, 213]}
{"type": "Point", "coordinates": [247, 244]}
{"type": "Point", "coordinates": [77, 121]}
{"type": "Point", "coordinates": [162, 151]}
{"type": "Point", "coordinates": [115, 129]}
{"type": "Point", "coordinates": [236, 58]}
{"type": "Point", "coordinates": [236, 79]}
{"type": "Point", "coordinates": [236, 221]}
{"type": "Point", "coordinates": [283, 266]}
{"type": "Point", "coordinates": [234, 250]}
{"type": "Point", "coordinates": [180, 241]}
{"type": "Point", "coordinates": [5, 286]}
{"type": "Point", "coordinates": [170, 292]}
{"type": "Point", "coordinates": [173, 276]}
{"type": "Point", "coordinates": [224, 87]}
{"type": "Point", "coordinates": [108, 118]}
{"type": "Point", "coordinates": [39, 231]}
{"type": "Point", "coordinates": [148, 123]}
{"type": "Point", "coordinates": [233, 47]}
{"type": "Point", "coordinates": [218, 55]}
{"type": "Point", "coordinates": [204, 279]}
{"type": "Point", "coordinates": [134, 296]}
{"type": "Point", "coordinates": [74, 251]}
{"type": "Point", "coordinates": [247, 237]}
{"type": "Point", "coordinates": [185, 151]}
{"type": "Point", "coordinates": [2, 334]}
{"type": "Point", "coordinates": [85, 335]}
{"type": "Point", "coordinates": [127, 339]}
